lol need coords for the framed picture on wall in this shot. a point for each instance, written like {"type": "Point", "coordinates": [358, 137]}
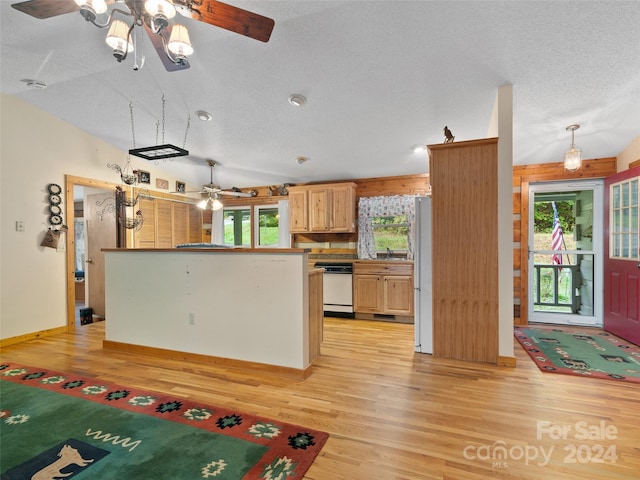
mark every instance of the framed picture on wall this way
{"type": "Point", "coordinates": [180, 187]}
{"type": "Point", "coordinates": [144, 177]}
{"type": "Point", "coordinates": [162, 183]}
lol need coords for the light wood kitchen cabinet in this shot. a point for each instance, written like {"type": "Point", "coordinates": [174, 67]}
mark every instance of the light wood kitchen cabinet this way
{"type": "Point", "coordinates": [167, 224]}
{"type": "Point", "coordinates": [327, 208]}
{"type": "Point", "coordinates": [319, 209]}
{"type": "Point", "coordinates": [343, 208]}
{"type": "Point", "coordinates": [298, 210]}
{"type": "Point", "coordinates": [383, 288]}
{"type": "Point", "coordinates": [316, 313]}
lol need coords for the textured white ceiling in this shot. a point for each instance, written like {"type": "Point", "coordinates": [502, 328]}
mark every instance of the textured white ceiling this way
{"type": "Point", "coordinates": [380, 76]}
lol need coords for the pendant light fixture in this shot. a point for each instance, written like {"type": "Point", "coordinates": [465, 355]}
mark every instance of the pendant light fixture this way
{"type": "Point", "coordinates": [573, 156]}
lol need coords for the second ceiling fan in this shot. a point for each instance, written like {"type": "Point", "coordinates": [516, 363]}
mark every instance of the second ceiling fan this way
{"type": "Point", "coordinates": [213, 192]}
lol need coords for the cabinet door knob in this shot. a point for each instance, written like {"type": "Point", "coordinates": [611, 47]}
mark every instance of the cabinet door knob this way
{"type": "Point", "coordinates": [88, 260]}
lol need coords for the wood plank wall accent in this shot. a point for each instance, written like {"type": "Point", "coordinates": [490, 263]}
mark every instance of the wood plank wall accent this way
{"type": "Point", "coordinates": [416, 184]}
{"type": "Point", "coordinates": [464, 184]}
{"type": "Point", "coordinates": [168, 222]}
{"type": "Point", "coordinates": [419, 184]}
{"type": "Point", "coordinates": [522, 176]}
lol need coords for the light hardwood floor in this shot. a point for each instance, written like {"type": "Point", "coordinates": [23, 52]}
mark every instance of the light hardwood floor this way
{"type": "Point", "coordinates": [395, 414]}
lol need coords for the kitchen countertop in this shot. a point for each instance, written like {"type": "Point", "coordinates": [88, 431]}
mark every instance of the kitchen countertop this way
{"type": "Point", "coordinates": [313, 261]}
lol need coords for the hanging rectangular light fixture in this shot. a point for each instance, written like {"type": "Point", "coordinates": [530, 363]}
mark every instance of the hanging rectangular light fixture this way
{"type": "Point", "coordinates": [159, 152]}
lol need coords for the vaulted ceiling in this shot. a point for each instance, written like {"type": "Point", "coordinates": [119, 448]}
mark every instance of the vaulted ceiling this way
{"type": "Point", "coordinates": [379, 77]}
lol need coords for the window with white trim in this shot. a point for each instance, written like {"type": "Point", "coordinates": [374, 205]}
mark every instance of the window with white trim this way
{"type": "Point", "coordinates": [252, 226]}
{"type": "Point", "coordinates": [623, 228]}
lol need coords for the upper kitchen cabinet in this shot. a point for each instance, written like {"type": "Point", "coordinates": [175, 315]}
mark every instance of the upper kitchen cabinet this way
{"type": "Point", "coordinates": [326, 208]}
{"type": "Point", "coordinates": [298, 210]}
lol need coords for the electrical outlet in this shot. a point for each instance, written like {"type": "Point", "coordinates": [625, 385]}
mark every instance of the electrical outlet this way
{"type": "Point", "coordinates": [19, 226]}
{"type": "Point", "coordinates": [192, 318]}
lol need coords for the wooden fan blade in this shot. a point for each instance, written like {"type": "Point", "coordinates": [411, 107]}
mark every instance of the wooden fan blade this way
{"type": "Point", "coordinates": [46, 8]}
{"type": "Point", "coordinates": [159, 47]}
{"type": "Point", "coordinates": [234, 194]}
{"type": "Point", "coordinates": [234, 19]}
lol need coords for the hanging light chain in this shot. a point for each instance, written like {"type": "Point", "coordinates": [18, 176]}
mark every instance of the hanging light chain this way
{"type": "Point", "coordinates": [186, 132]}
{"type": "Point", "coordinates": [133, 130]}
{"type": "Point", "coordinates": [163, 103]}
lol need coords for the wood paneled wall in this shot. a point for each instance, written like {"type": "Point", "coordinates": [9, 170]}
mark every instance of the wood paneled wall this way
{"type": "Point", "coordinates": [419, 184]}
{"type": "Point", "coordinates": [167, 222]}
{"type": "Point", "coordinates": [465, 250]}
{"type": "Point", "coordinates": [522, 177]}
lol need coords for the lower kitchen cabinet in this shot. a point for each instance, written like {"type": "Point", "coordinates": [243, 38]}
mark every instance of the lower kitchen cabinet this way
{"type": "Point", "coordinates": [316, 314]}
{"type": "Point", "coordinates": [383, 288]}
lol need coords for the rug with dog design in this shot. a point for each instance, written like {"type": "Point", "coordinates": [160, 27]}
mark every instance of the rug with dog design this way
{"type": "Point", "coordinates": [56, 425]}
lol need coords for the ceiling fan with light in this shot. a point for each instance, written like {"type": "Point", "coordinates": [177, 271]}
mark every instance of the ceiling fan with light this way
{"type": "Point", "coordinates": [170, 40]}
{"type": "Point", "coordinates": [214, 192]}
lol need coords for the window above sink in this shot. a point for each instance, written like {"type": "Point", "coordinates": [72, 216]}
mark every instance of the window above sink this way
{"type": "Point", "coordinates": [391, 236]}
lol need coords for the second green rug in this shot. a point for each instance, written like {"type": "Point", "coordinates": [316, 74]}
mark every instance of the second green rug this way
{"type": "Point", "coordinates": [588, 352]}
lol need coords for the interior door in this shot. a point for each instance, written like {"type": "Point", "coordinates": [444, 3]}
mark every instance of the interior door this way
{"type": "Point", "coordinates": [622, 259]}
{"type": "Point", "coordinates": [100, 233]}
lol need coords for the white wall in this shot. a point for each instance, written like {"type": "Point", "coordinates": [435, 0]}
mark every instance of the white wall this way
{"type": "Point", "coordinates": [501, 126]}
{"type": "Point", "coordinates": [239, 305]}
{"type": "Point", "coordinates": [37, 149]}
{"type": "Point", "coordinates": [628, 155]}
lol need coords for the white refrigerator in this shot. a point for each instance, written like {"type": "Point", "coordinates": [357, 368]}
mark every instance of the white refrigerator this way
{"type": "Point", "coordinates": [423, 313]}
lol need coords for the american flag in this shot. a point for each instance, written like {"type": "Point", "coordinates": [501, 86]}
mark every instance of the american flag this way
{"type": "Point", "coordinates": [556, 237]}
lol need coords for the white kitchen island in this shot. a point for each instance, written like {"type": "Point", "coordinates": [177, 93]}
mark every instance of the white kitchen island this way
{"type": "Point", "coordinates": [244, 308]}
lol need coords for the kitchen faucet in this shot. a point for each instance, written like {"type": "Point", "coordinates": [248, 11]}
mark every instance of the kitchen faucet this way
{"type": "Point", "coordinates": [389, 253]}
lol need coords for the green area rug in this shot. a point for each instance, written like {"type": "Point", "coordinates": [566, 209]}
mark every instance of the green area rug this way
{"type": "Point", "coordinates": [587, 352]}
{"type": "Point", "coordinates": [57, 425]}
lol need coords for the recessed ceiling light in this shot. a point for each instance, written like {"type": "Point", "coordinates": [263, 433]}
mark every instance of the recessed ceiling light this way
{"type": "Point", "coordinates": [297, 100]}
{"type": "Point", "coordinates": [419, 148]}
{"type": "Point", "coordinates": [204, 116]}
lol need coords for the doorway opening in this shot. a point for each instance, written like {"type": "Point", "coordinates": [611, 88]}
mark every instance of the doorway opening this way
{"type": "Point", "coordinates": [82, 243]}
{"type": "Point", "coordinates": [565, 253]}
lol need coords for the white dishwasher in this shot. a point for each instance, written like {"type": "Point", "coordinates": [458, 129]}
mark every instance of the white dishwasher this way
{"type": "Point", "coordinates": [337, 285]}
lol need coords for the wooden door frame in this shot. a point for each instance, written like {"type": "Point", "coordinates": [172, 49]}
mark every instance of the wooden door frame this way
{"type": "Point", "coordinates": [594, 185]}
{"type": "Point", "coordinates": [524, 232]}
{"type": "Point", "coordinates": [71, 181]}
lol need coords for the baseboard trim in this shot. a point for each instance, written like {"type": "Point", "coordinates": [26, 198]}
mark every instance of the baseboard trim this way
{"type": "Point", "coordinates": [5, 342]}
{"type": "Point", "coordinates": [506, 361]}
{"type": "Point", "coordinates": [300, 374]}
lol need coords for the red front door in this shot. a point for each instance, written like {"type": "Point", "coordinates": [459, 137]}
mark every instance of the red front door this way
{"type": "Point", "coordinates": [622, 256]}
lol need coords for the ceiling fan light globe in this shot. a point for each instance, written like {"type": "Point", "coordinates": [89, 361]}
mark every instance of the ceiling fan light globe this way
{"type": "Point", "coordinates": [159, 22]}
{"type": "Point", "coordinates": [179, 42]}
{"type": "Point", "coordinates": [118, 39]}
{"type": "Point", "coordinates": [203, 204]}
{"type": "Point", "coordinates": [162, 8]}
{"type": "Point", "coordinates": [91, 6]}
{"type": "Point", "coordinates": [216, 205]}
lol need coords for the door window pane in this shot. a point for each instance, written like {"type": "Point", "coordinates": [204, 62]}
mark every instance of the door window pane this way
{"type": "Point", "coordinates": [623, 228]}
{"type": "Point", "coordinates": [237, 227]}
{"type": "Point", "coordinates": [267, 226]}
